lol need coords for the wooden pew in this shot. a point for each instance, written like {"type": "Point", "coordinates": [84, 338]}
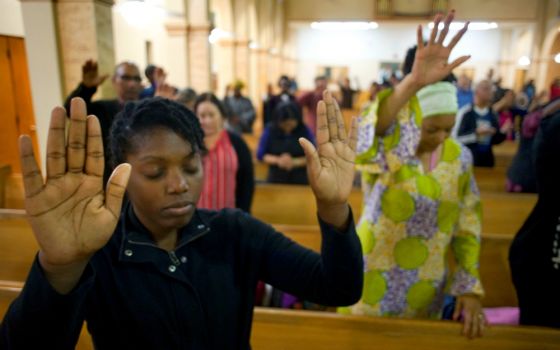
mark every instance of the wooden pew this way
{"type": "Point", "coordinates": [487, 179]}
{"type": "Point", "coordinates": [275, 329]}
{"type": "Point", "coordinates": [5, 171]}
{"type": "Point", "coordinates": [494, 265]}
{"type": "Point", "coordinates": [503, 213]}
{"type": "Point", "coordinates": [18, 248]}
{"type": "Point", "coordinates": [491, 179]}
{"type": "Point", "coordinates": [294, 330]}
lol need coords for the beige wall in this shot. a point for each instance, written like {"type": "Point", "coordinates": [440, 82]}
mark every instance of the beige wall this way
{"type": "Point", "coordinates": [43, 60]}
{"type": "Point", "coordinates": [329, 10]}
{"type": "Point", "coordinates": [365, 9]}
{"type": "Point", "coordinates": [11, 22]}
{"type": "Point", "coordinates": [496, 10]}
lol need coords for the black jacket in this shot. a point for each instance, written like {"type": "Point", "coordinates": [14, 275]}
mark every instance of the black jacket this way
{"type": "Point", "coordinates": [105, 111]}
{"type": "Point", "coordinates": [535, 252]}
{"type": "Point", "coordinates": [135, 295]}
{"type": "Point", "coordinates": [245, 177]}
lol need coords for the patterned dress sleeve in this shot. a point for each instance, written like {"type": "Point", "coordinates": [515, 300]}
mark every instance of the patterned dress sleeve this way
{"type": "Point", "coordinates": [465, 243]}
{"type": "Point", "coordinates": [396, 147]}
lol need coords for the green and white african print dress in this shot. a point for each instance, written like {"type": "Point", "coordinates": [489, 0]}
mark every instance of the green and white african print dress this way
{"type": "Point", "coordinates": [410, 219]}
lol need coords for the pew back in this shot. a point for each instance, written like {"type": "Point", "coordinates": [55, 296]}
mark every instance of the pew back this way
{"type": "Point", "coordinates": [503, 213]}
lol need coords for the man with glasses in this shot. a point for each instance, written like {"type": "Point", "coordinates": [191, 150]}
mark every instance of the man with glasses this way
{"type": "Point", "coordinates": [127, 83]}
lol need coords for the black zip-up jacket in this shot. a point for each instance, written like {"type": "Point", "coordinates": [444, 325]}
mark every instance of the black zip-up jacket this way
{"type": "Point", "coordinates": [135, 295]}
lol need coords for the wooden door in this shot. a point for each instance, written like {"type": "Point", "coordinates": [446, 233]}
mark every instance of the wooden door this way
{"type": "Point", "coordinates": [16, 112]}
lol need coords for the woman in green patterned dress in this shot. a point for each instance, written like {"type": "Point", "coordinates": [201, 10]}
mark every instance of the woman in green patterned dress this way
{"type": "Point", "coordinates": [420, 196]}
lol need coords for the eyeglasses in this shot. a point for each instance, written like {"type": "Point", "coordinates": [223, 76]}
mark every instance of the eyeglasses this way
{"type": "Point", "coordinates": [134, 78]}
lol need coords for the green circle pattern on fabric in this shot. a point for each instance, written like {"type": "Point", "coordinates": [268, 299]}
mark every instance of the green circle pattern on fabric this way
{"type": "Point", "coordinates": [366, 236]}
{"type": "Point", "coordinates": [391, 141]}
{"type": "Point", "coordinates": [410, 253]}
{"type": "Point", "coordinates": [428, 187]}
{"type": "Point", "coordinates": [464, 182]}
{"type": "Point", "coordinates": [375, 287]}
{"type": "Point", "coordinates": [420, 295]}
{"type": "Point", "coordinates": [451, 151]}
{"type": "Point", "coordinates": [467, 251]}
{"type": "Point", "coordinates": [406, 172]}
{"type": "Point", "coordinates": [397, 205]}
{"type": "Point", "coordinates": [448, 215]}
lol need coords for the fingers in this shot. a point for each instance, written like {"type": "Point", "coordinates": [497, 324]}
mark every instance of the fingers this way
{"type": "Point", "coordinates": [445, 30]}
{"type": "Point", "coordinates": [322, 127]}
{"type": "Point", "coordinates": [459, 61]}
{"type": "Point", "coordinates": [468, 324]}
{"type": "Point", "coordinates": [56, 144]}
{"type": "Point", "coordinates": [458, 310]}
{"type": "Point", "coordinates": [311, 156]}
{"type": "Point", "coordinates": [340, 122]}
{"type": "Point", "coordinates": [103, 78]}
{"type": "Point", "coordinates": [76, 136]}
{"type": "Point", "coordinates": [331, 116]}
{"type": "Point", "coordinates": [116, 188]}
{"type": "Point", "coordinates": [353, 136]}
{"type": "Point", "coordinates": [419, 38]}
{"type": "Point", "coordinates": [95, 162]}
{"type": "Point", "coordinates": [433, 35]}
{"type": "Point", "coordinates": [32, 179]}
{"type": "Point", "coordinates": [481, 324]}
{"type": "Point", "coordinates": [458, 36]}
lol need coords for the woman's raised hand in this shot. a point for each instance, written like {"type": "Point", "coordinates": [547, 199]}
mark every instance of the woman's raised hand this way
{"type": "Point", "coordinates": [431, 60]}
{"type": "Point", "coordinates": [71, 215]}
{"type": "Point", "coordinates": [330, 166]}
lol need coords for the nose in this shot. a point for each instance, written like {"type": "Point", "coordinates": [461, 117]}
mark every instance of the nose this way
{"type": "Point", "coordinates": [177, 182]}
{"type": "Point", "coordinates": [442, 136]}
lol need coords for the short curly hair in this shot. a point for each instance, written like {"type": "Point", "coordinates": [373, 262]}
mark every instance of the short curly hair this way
{"type": "Point", "coordinates": [142, 116]}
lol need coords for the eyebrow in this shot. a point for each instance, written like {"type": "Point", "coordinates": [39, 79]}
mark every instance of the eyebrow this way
{"type": "Point", "coordinates": [150, 157]}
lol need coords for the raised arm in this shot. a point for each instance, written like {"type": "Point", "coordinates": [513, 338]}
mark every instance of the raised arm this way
{"type": "Point", "coordinates": [430, 66]}
{"type": "Point", "coordinates": [330, 166]}
{"type": "Point", "coordinates": [71, 216]}
{"type": "Point", "coordinates": [88, 86]}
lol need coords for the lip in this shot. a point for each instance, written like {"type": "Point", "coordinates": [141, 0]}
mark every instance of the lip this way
{"type": "Point", "coordinates": [178, 209]}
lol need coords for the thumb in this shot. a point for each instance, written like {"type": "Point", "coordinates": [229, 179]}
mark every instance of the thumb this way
{"type": "Point", "coordinates": [102, 78]}
{"type": "Point", "coordinates": [459, 61]}
{"type": "Point", "coordinates": [311, 156]}
{"type": "Point", "coordinates": [458, 309]}
{"type": "Point", "coordinates": [116, 188]}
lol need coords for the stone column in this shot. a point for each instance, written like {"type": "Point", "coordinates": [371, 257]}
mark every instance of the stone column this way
{"type": "Point", "coordinates": [242, 62]}
{"type": "Point", "coordinates": [198, 49]}
{"type": "Point", "coordinates": [85, 31]}
{"type": "Point", "coordinates": [178, 58]}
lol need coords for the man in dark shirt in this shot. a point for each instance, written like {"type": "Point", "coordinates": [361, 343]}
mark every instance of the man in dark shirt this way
{"type": "Point", "coordinates": [126, 82]}
{"type": "Point", "coordinates": [127, 85]}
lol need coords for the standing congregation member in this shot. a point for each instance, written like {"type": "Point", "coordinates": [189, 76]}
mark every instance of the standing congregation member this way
{"type": "Point", "coordinates": [478, 127]}
{"type": "Point", "coordinates": [228, 164]}
{"type": "Point", "coordinates": [420, 195]}
{"type": "Point", "coordinates": [534, 255]}
{"type": "Point", "coordinates": [279, 146]}
{"type": "Point", "coordinates": [162, 274]}
{"type": "Point", "coordinates": [127, 84]}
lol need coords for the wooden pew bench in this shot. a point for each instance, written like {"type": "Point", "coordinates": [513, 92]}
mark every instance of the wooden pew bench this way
{"type": "Point", "coordinates": [503, 213]}
{"type": "Point", "coordinates": [275, 329]}
{"type": "Point", "coordinates": [294, 330]}
{"type": "Point", "coordinates": [494, 265]}
{"type": "Point", "coordinates": [18, 248]}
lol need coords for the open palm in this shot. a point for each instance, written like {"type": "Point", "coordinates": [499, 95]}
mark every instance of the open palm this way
{"type": "Point", "coordinates": [330, 166]}
{"type": "Point", "coordinates": [71, 216]}
{"type": "Point", "coordinates": [431, 60]}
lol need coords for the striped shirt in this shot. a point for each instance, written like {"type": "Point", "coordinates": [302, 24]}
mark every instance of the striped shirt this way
{"type": "Point", "coordinates": [220, 169]}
